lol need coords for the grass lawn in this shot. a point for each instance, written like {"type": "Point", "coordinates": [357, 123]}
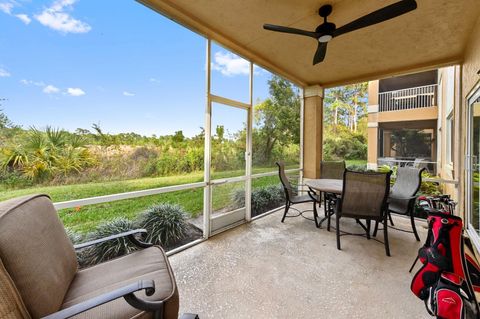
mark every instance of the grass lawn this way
{"type": "Point", "coordinates": [84, 219]}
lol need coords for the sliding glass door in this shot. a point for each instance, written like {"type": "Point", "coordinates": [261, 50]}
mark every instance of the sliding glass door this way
{"type": "Point", "coordinates": [473, 167]}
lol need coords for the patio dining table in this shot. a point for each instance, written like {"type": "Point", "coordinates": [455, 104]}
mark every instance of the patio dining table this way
{"type": "Point", "coordinates": [328, 186]}
{"type": "Point", "coordinates": [334, 186]}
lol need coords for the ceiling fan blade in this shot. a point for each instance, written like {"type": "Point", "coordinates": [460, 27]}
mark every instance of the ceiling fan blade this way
{"type": "Point", "coordinates": [279, 28]}
{"type": "Point", "coordinates": [320, 54]}
{"type": "Point", "coordinates": [386, 13]}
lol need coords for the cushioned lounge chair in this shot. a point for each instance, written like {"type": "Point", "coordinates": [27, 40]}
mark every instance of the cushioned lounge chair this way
{"type": "Point", "coordinates": [39, 275]}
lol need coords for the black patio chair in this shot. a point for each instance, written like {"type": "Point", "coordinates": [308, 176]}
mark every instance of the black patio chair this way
{"type": "Point", "coordinates": [331, 170]}
{"type": "Point", "coordinates": [403, 195]}
{"type": "Point", "coordinates": [292, 198]}
{"type": "Point", "coordinates": [364, 197]}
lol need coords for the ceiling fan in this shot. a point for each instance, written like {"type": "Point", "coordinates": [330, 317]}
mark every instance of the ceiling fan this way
{"type": "Point", "coordinates": [327, 30]}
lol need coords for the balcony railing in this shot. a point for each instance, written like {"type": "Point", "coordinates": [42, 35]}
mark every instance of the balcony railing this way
{"type": "Point", "coordinates": [406, 99]}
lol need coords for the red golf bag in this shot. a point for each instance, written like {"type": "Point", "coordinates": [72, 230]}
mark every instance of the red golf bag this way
{"type": "Point", "coordinates": [443, 281]}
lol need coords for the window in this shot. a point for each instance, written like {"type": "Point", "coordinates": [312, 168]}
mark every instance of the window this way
{"type": "Point", "coordinates": [276, 122]}
{"type": "Point", "coordinates": [473, 167]}
{"type": "Point", "coordinates": [102, 108]}
{"type": "Point", "coordinates": [111, 119]}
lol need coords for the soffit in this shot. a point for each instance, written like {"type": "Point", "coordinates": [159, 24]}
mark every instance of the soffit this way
{"type": "Point", "coordinates": [433, 35]}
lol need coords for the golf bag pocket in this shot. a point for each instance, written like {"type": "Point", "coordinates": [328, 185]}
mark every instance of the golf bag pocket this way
{"type": "Point", "coordinates": [433, 265]}
{"type": "Point", "coordinates": [450, 299]}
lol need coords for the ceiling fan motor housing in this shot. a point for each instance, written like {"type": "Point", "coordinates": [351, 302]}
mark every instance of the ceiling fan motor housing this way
{"type": "Point", "coordinates": [326, 31]}
{"type": "Point", "coordinates": [325, 11]}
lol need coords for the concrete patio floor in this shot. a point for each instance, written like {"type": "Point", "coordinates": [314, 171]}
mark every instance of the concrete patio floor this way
{"type": "Point", "coordinates": [266, 269]}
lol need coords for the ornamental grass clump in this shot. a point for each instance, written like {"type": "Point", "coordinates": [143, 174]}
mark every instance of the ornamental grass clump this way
{"type": "Point", "coordinates": [165, 224]}
{"type": "Point", "coordinates": [75, 237]}
{"type": "Point", "coordinates": [112, 248]}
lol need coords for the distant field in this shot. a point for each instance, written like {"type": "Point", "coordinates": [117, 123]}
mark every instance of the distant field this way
{"type": "Point", "coordinates": [86, 218]}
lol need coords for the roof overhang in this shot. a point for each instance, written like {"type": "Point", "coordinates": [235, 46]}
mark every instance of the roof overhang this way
{"type": "Point", "coordinates": [432, 36]}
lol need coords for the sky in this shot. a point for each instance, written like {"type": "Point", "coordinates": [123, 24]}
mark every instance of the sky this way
{"type": "Point", "coordinates": [72, 63]}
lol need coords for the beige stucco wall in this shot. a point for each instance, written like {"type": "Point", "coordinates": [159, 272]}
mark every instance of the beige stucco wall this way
{"type": "Point", "coordinates": [471, 64]}
{"type": "Point", "coordinates": [426, 113]}
{"type": "Point", "coordinates": [313, 132]}
{"type": "Point", "coordinates": [372, 130]}
{"type": "Point", "coordinates": [470, 78]}
{"type": "Point", "coordinates": [449, 79]}
{"type": "Point", "coordinates": [373, 92]}
{"type": "Point", "coordinates": [372, 141]}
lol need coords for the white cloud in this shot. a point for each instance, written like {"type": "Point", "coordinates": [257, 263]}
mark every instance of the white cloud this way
{"type": "Point", "coordinates": [50, 89]}
{"type": "Point", "coordinates": [24, 18]}
{"type": "Point", "coordinates": [153, 80]}
{"type": "Point", "coordinates": [30, 82]}
{"type": "Point", "coordinates": [229, 64]}
{"type": "Point", "coordinates": [75, 92]}
{"type": "Point", "coordinates": [56, 18]}
{"type": "Point", "coordinates": [4, 73]}
{"type": "Point", "coordinates": [128, 93]}
{"type": "Point", "coordinates": [6, 7]}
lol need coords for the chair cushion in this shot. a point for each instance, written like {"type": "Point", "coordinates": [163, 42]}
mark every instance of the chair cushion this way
{"type": "Point", "coordinates": [150, 263]}
{"type": "Point", "coordinates": [11, 304]}
{"type": "Point", "coordinates": [36, 252]}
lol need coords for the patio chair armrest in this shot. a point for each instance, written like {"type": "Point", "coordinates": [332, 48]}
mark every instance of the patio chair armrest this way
{"type": "Point", "coordinates": [126, 292]}
{"type": "Point", "coordinates": [313, 195]}
{"type": "Point", "coordinates": [130, 234]}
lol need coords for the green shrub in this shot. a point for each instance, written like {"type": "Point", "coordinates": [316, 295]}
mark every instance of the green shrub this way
{"type": "Point", "coordinates": [344, 144]}
{"type": "Point", "coordinates": [14, 179]}
{"type": "Point", "coordinates": [112, 248]}
{"type": "Point", "coordinates": [429, 188]}
{"type": "Point", "coordinates": [165, 224]}
{"type": "Point", "coordinates": [263, 198]}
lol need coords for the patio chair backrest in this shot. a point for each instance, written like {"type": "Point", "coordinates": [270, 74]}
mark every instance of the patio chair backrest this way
{"type": "Point", "coordinates": [332, 169]}
{"type": "Point", "coordinates": [284, 180]}
{"type": "Point", "coordinates": [36, 253]}
{"type": "Point", "coordinates": [407, 184]}
{"type": "Point", "coordinates": [364, 194]}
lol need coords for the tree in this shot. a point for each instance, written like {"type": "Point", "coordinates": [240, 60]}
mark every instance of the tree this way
{"type": "Point", "coordinates": [178, 137]}
{"type": "Point", "coordinates": [5, 121]}
{"type": "Point", "coordinates": [277, 119]}
{"type": "Point", "coordinates": [345, 122]}
{"type": "Point", "coordinates": [346, 104]}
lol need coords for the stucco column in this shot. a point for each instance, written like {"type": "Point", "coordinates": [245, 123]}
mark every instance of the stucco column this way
{"type": "Point", "coordinates": [312, 131]}
{"type": "Point", "coordinates": [372, 130]}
